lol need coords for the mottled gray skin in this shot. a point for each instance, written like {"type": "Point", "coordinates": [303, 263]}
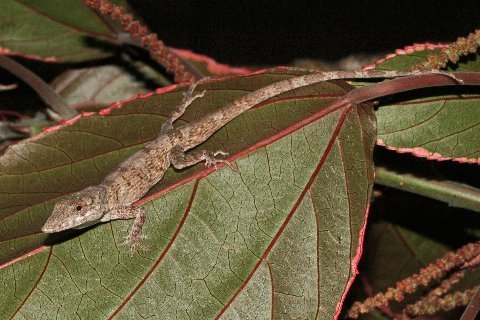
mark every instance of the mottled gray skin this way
{"type": "Point", "coordinates": [112, 198]}
{"type": "Point", "coordinates": [136, 175]}
{"type": "Point", "coordinates": [80, 210]}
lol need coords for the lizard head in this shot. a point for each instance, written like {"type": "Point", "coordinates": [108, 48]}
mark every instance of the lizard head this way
{"type": "Point", "coordinates": [80, 210]}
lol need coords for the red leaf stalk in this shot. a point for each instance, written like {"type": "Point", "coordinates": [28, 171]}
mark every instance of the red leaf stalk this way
{"type": "Point", "coordinates": [149, 40]}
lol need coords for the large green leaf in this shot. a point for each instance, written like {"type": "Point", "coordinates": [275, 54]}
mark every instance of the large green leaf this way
{"type": "Point", "coordinates": [444, 127]}
{"type": "Point", "coordinates": [281, 237]}
{"type": "Point", "coordinates": [55, 30]}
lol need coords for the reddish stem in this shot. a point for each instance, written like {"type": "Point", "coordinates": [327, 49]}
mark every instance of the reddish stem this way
{"type": "Point", "coordinates": [403, 84]}
{"type": "Point", "coordinates": [473, 308]}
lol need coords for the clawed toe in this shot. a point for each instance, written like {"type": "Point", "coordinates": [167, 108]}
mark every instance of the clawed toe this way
{"type": "Point", "coordinates": [211, 160]}
{"type": "Point", "coordinates": [220, 152]}
{"type": "Point", "coordinates": [134, 243]}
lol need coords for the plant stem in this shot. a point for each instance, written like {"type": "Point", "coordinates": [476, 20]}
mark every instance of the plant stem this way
{"type": "Point", "coordinates": [45, 91]}
{"type": "Point", "coordinates": [473, 308]}
{"type": "Point", "coordinates": [455, 194]}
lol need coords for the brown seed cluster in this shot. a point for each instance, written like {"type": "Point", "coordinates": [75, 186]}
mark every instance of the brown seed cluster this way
{"type": "Point", "coordinates": [452, 53]}
{"type": "Point", "coordinates": [434, 301]}
{"type": "Point", "coordinates": [157, 48]}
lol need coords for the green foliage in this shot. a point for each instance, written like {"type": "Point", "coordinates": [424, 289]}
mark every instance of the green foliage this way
{"type": "Point", "coordinates": [280, 238]}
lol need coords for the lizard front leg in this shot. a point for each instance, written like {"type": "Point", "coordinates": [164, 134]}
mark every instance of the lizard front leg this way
{"type": "Point", "coordinates": [129, 212]}
{"type": "Point", "coordinates": [181, 159]}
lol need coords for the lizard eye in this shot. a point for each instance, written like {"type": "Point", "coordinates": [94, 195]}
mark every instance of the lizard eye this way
{"type": "Point", "coordinates": [78, 208]}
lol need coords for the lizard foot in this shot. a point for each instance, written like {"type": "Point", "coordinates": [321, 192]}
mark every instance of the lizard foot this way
{"type": "Point", "coordinates": [133, 241]}
{"type": "Point", "coordinates": [211, 160]}
{"type": "Point", "coordinates": [189, 97]}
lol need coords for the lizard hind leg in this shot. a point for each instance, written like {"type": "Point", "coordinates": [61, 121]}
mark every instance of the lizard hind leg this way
{"type": "Point", "coordinates": [188, 98]}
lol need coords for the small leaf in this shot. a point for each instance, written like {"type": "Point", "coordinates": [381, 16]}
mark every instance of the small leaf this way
{"type": "Point", "coordinates": [53, 30]}
{"type": "Point", "coordinates": [441, 127]}
{"type": "Point", "coordinates": [282, 236]}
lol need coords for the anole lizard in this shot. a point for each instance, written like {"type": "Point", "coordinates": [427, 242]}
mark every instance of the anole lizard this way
{"type": "Point", "coordinates": [113, 197]}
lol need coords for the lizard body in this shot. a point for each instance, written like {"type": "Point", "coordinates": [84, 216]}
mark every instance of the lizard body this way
{"type": "Point", "coordinates": [112, 198]}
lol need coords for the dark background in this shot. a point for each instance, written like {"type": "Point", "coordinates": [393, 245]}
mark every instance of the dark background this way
{"type": "Point", "coordinates": [277, 32]}
{"type": "Point", "coordinates": [268, 33]}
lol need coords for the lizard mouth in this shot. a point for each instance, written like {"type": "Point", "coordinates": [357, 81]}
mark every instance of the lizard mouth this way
{"type": "Point", "coordinates": [49, 229]}
{"type": "Point", "coordinates": [86, 224]}
{"type": "Point", "coordinates": [52, 226]}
